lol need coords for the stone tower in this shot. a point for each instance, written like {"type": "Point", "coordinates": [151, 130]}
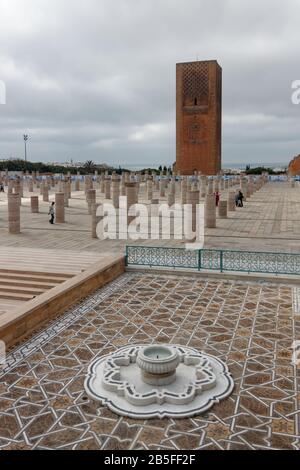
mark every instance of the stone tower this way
{"type": "Point", "coordinates": [198, 117]}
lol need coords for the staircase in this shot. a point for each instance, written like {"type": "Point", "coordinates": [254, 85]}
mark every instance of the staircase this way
{"type": "Point", "coordinates": [26, 273]}
{"type": "Point", "coordinates": [26, 285]}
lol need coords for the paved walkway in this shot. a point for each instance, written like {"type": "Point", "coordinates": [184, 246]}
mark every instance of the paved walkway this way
{"type": "Point", "coordinates": [270, 221]}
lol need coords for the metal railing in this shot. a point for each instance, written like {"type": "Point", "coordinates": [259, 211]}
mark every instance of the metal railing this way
{"type": "Point", "coordinates": [214, 260]}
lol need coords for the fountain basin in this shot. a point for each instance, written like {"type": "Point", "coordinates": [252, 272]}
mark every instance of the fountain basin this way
{"type": "Point", "coordinates": [158, 364]}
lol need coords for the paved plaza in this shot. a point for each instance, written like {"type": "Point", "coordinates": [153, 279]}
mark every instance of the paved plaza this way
{"type": "Point", "coordinates": [269, 221]}
{"type": "Point", "coordinates": [251, 326]}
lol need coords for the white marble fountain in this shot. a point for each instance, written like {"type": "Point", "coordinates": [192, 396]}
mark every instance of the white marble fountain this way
{"type": "Point", "coordinates": [158, 381]}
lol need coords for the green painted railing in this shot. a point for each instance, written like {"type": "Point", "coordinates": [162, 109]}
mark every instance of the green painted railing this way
{"type": "Point", "coordinates": [215, 260]}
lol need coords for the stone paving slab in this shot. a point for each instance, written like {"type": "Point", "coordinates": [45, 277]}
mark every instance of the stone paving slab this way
{"type": "Point", "coordinates": [249, 325]}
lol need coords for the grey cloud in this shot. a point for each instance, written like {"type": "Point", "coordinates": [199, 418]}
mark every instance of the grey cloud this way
{"type": "Point", "coordinates": [96, 79]}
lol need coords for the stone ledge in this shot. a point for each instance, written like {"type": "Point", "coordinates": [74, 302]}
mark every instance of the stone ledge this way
{"type": "Point", "coordinates": [228, 275]}
{"type": "Point", "coordinates": [19, 324]}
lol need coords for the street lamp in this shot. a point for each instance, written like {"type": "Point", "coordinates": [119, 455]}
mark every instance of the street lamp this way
{"type": "Point", "coordinates": [25, 137]}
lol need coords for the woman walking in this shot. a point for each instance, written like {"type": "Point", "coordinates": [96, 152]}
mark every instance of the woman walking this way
{"type": "Point", "coordinates": [51, 213]}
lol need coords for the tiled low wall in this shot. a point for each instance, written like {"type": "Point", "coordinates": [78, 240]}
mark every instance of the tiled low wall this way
{"type": "Point", "coordinates": [16, 326]}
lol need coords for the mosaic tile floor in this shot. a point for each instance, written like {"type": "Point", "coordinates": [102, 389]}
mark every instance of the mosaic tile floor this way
{"type": "Point", "coordinates": [251, 326]}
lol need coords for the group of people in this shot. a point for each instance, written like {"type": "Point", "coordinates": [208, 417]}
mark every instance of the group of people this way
{"type": "Point", "coordinates": [238, 198]}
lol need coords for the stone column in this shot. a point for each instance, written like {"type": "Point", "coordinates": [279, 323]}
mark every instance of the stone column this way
{"type": "Point", "coordinates": [192, 197]}
{"type": "Point", "coordinates": [122, 188]}
{"type": "Point", "coordinates": [107, 188]}
{"type": "Point", "coordinates": [250, 187]}
{"type": "Point", "coordinates": [77, 185]}
{"type": "Point", "coordinates": [248, 194]}
{"type": "Point", "coordinates": [60, 208]}
{"type": "Point", "coordinates": [231, 201]}
{"type": "Point", "coordinates": [14, 213]}
{"type": "Point", "coordinates": [216, 185]}
{"type": "Point", "coordinates": [30, 186]}
{"type": "Point", "coordinates": [223, 209]}
{"type": "Point", "coordinates": [244, 188]}
{"type": "Point", "coordinates": [162, 188]}
{"type": "Point", "coordinates": [210, 211]}
{"type": "Point", "coordinates": [88, 183]}
{"type": "Point", "coordinates": [172, 187]}
{"type": "Point", "coordinates": [156, 183]}
{"type": "Point", "coordinates": [171, 199]}
{"type": "Point", "coordinates": [183, 191]}
{"type": "Point", "coordinates": [102, 183]}
{"type": "Point", "coordinates": [149, 190]}
{"type": "Point", "coordinates": [17, 190]}
{"type": "Point", "coordinates": [69, 188]}
{"type": "Point", "coordinates": [115, 191]}
{"type": "Point", "coordinates": [34, 203]}
{"type": "Point", "coordinates": [45, 193]}
{"type": "Point", "coordinates": [132, 197]}
{"type": "Point", "coordinates": [91, 199]}
{"type": "Point", "coordinates": [210, 188]}
{"type": "Point", "coordinates": [66, 194]}
{"type": "Point", "coordinates": [95, 219]}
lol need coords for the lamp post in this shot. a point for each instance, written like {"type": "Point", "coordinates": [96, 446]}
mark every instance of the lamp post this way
{"type": "Point", "coordinates": [25, 137]}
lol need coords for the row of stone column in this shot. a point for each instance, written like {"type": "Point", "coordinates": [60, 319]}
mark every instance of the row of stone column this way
{"type": "Point", "coordinates": [14, 210]}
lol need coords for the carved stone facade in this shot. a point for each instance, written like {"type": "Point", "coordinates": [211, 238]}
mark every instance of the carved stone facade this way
{"type": "Point", "coordinates": [198, 117]}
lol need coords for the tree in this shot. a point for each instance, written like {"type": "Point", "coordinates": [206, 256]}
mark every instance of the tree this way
{"type": "Point", "coordinates": [89, 166]}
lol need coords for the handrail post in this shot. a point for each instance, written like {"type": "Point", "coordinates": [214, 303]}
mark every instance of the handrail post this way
{"type": "Point", "coordinates": [199, 260]}
{"type": "Point", "coordinates": [221, 261]}
{"type": "Point", "coordinates": [126, 256]}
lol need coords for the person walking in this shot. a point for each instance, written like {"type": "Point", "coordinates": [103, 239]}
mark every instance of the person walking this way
{"type": "Point", "coordinates": [241, 197]}
{"type": "Point", "coordinates": [217, 198]}
{"type": "Point", "coordinates": [51, 213]}
{"type": "Point", "coordinates": [237, 199]}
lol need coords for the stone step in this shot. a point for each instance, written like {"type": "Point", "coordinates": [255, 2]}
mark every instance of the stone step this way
{"type": "Point", "coordinates": [36, 273]}
{"type": "Point", "coordinates": [19, 283]}
{"type": "Point", "coordinates": [23, 290]}
{"type": "Point", "coordinates": [32, 277]}
{"type": "Point", "coordinates": [12, 296]}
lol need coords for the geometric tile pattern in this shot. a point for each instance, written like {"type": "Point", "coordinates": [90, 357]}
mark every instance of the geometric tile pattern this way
{"type": "Point", "coordinates": [195, 82]}
{"type": "Point", "coordinates": [250, 326]}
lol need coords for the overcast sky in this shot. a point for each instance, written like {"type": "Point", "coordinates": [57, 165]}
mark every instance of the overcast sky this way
{"type": "Point", "coordinates": [95, 79]}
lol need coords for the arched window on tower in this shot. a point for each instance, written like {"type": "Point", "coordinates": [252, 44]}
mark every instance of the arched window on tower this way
{"type": "Point", "coordinates": [195, 102]}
